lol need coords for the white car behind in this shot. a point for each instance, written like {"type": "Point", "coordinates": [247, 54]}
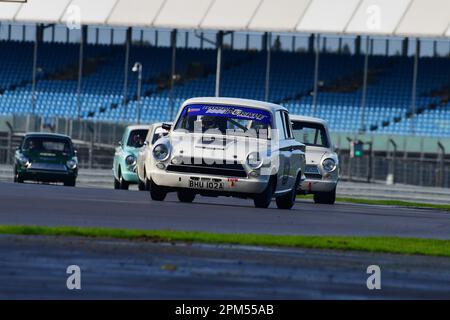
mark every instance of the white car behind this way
{"type": "Point", "coordinates": [322, 163]}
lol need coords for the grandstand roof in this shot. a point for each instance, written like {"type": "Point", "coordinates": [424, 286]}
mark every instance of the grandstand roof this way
{"type": "Point", "coordinates": [173, 13]}
{"type": "Point", "coordinates": [135, 13]}
{"type": "Point", "coordinates": [427, 18]}
{"type": "Point", "coordinates": [46, 11]}
{"type": "Point", "coordinates": [8, 10]}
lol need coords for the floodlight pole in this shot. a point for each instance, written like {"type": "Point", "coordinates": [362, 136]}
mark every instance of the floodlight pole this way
{"type": "Point", "coordinates": [173, 40]}
{"type": "Point", "coordinates": [35, 56]}
{"type": "Point", "coordinates": [127, 64]}
{"type": "Point", "coordinates": [268, 36]}
{"type": "Point", "coordinates": [414, 86]}
{"type": "Point", "coordinates": [138, 68]}
{"type": "Point", "coordinates": [219, 45]}
{"type": "Point", "coordinates": [316, 74]}
{"type": "Point", "coordinates": [364, 93]}
{"type": "Point", "coordinates": [80, 69]}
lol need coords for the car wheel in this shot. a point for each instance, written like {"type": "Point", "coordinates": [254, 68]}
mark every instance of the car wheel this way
{"type": "Point", "coordinates": [287, 201]}
{"type": "Point", "coordinates": [147, 184]}
{"type": "Point", "coordinates": [264, 199]}
{"type": "Point", "coordinates": [156, 192]}
{"type": "Point", "coordinates": [141, 185]}
{"type": "Point", "coordinates": [70, 183]}
{"type": "Point", "coordinates": [185, 196]}
{"type": "Point", "coordinates": [325, 197]}
{"type": "Point", "coordinates": [116, 184]}
{"type": "Point", "coordinates": [122, 183]}
{"type": "Point", "coordinates": [146, 181]}
{"type": "Point", "coordinates": [17, 177]}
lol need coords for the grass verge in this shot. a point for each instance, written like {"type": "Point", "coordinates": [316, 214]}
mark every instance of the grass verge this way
{"type": "Point", "coordinates": [399, 203]}
{"type": "Point", "coordinates": [394, 245]}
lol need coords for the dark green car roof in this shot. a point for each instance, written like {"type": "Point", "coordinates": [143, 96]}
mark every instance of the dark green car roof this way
{"type": "Point", "coordinates": [46, 134]}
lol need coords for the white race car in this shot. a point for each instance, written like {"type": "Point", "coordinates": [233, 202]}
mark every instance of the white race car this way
{"type": "Point", "coordinates": [322, 164]}
{"type": "Point", "coordinates": [228, 147]}
{"type": "Point", "coordinates": [155, 132]}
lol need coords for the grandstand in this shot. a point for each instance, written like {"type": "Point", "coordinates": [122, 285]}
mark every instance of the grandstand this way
{"type": "Point", "coordinates": [391, 105]}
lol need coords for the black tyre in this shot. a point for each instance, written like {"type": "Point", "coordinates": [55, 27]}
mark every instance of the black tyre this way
{"type": "Point", "coordinates": [17, 177]}
{"type": "Point", "coordinates": [116, 184]}
{"type": "Point", "coordinates": [70, 182]}
{"type": "Point", "coordinates": [156, 192]}
{"type": "Point", "coordinates": [122, 183]}
{"type": "Point", "coordinates": [264, 199]}
{"type": "Point", "coordinates": [185, 196]}
{"type": "Point", "coordinates": [287, 201]}
{"type": "Point", "coordinates": [141, 185]}
{"type": "Point", "coordinates": [325, 197]}
{"type": "Point", "coordinates": [146, 181]}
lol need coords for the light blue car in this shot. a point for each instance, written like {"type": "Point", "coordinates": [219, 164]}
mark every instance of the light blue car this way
{"type": "Point", "coordinates": [125, 157]}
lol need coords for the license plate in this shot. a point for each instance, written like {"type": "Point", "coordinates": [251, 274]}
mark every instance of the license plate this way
{"type": "Point", "coordinates": [48, 166]}
{"type": "Point", "coordinates": [209, 185]}
{"type": "Point", "coordinates": [309, 169]}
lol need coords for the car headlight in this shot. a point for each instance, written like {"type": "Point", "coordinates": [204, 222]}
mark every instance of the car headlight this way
{"type": "Point", "coordinates": [23, 160]}
{"type": "Point", "coordinates": [72, 163]}
{"type": "Point", "coordinates": [254, 160]}
{"type": "Point", "coordinates": [130, 160]}
{"type": "Point", "coordinates": [329, 165]}
{"type": "Point", "coordinates": [161, 152]}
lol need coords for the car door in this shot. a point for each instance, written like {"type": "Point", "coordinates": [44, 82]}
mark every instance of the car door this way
{"type": "Point", "coordinates": [283, 154]}
{"type": "Point", "coordinates": [118, 154]}
{"type": "Point", "coordinates": [143, 152]}
{"type": "Point", "coordinates": [295, 153]}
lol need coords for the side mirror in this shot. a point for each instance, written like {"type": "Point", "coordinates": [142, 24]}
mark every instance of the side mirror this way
{"type": "Point", "coordinates": [120, 143]}
{"type": "Point", "coordinates": [146, 143]}
{"type": "Point", "coordinates": [166, 126]}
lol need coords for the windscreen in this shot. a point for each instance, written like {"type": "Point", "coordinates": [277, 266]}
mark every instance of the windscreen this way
{"type": "Point", "coordinates": [47, 144]}
{"type": "Point", "coordinates": [310, 134]}
{"type": "Point", "coordinates": [227, 120]}
{"type": "Point", "coordinates": [136, 138]}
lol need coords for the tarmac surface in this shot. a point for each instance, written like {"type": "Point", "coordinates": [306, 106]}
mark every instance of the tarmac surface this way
{"type": "Point", "coordinates": [34, 267]}
{"type": "Point", "coordinates": [52, 205]}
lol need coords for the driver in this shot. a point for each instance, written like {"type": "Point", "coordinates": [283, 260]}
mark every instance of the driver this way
{"type": "Point", "coordinates": [213, 123]}
{"type": "Point", "coordinates": [138, 140]}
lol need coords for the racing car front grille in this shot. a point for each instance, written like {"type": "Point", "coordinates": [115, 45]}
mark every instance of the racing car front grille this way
{"type": "Point", "coordinates": [313, 176]}
{"type": "Point", "coordinates": [216, 169]}
{"type": "Point", "coordinates": [312, 172]}
{"type": "Point", "coordinates": [36, 166]}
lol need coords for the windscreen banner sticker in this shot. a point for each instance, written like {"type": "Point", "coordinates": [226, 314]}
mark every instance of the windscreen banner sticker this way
{"type": "Point", "coordinates": [243, 113]}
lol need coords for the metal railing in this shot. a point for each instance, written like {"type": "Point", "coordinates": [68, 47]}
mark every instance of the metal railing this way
{"type": "Point", "coordinates": [394, 168]}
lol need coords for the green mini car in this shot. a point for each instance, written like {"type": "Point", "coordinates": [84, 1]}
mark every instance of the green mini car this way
{"type": "Point", "coordinates": [125, 157]}
{"type": "Point", "coordinates": [46, 157]}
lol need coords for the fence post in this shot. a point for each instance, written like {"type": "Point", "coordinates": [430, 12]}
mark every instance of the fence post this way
{"type": "Point", "coordinates": [91, 147]}
{"type": "Point", "coordinates": [349, 160]}
{"type": "Point", "coordinates": [422, 158]}
{"type": "Point", "coordinates": [10, 135]}
{"type": "Point", "coordinates": [393, 159]}
{"type": "Point", "coordinates": [369, 173]}
{"type": "Point", "coordinates": [441, 163]}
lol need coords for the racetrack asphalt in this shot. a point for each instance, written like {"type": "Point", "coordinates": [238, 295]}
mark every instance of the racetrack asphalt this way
{"type": "Point", "coordinates": [54, 205]}
{"type": "Point", "coordinates": [34, 267]}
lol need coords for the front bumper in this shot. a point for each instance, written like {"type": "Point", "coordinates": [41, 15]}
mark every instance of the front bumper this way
{"type": "Point", "coordinates": [130, 177]}
{"type": "Point", "coordinates": [312, 186]}
{"type": "Point", "coordinates": [47, 175]}
{"type": "Point", "coordinates": [173, 181]}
